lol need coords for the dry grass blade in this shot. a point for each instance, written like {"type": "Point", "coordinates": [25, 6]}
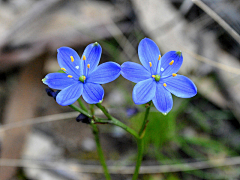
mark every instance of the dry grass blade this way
{"type": "Point", "coordinates": [218, 19]}
{"type": "Point", "coordinates": [211, 62]}
{"type": "Point", "coordinates": [43, 119]}
{"type": "Point", "coordinates": [82, 168]}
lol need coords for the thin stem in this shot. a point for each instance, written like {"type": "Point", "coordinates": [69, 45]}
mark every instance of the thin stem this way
{"type": "Point", "coordinates": [80, 110]}
{"type": "Point", "coordinates": [118, 123]}
{"type": "Point", "coordinates": [81, 104]}
{"type": "Point", "coordinates": [99, 148]}
{"type": "Point", "coordinates": [100, 151]}
{"type": "Point", "coordinates": [112, 120]}
{"type": "Point", "coordinates": [145, 120]}
{"type": "Point", "coordinates": [140, 142]}
{"type": "Point", "coordinates": [104, 110]}
{"type": "Point", "coordinates": [104, 121]}
{"type": "Point", "coordinates": [96, 135]}
{"type": "Point", "coordinates": [92, 109]}
{"type": "Point", "coordinates": [139, 159]}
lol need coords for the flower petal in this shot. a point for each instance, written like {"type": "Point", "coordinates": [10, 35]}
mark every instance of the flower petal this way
{"type": "Point", "coordinates": [148, 53]}
{"type": "Point", "coordinates": [92, 54]}
{"type": "Point", "coordinates": [180, 86]}
{"type": "Point", "coordinates": [171, 63]}
{"type": "Point", "coordinates": [104, 73]}
{"type": "Point", "coordinates": [92, 93]}
{"type": "Point", "coordinates": [70, 94]}
{"type": "Point", "coordinates": [163, 99]}
{"type": "Point", "coordinates": [58, 80]}
{"type": "Point", "coordinates": [144, 91]}
{"type": "Point", "coordinates": [134, 72]}
{"type": "Point", "coordinates": [72, 64]}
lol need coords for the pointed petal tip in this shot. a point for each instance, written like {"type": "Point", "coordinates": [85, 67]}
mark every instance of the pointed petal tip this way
{"type": "Point", "coordinates": [95, 44]}
{"type": "Point", "coordinates": [165, 113]}
{"type": "Point", "coordinates": [179, 53]}
{"type": "Point", "coordinates": [44, 80]}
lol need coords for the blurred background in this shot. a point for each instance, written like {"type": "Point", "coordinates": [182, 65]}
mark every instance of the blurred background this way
{"type": "Point", "coordinates": [198, 139]}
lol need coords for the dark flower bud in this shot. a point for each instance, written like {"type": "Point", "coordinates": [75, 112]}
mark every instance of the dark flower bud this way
{"type": "Point", "coordinates": [52, 93]}
{"type": "Point", "coordinates": [83, 118]}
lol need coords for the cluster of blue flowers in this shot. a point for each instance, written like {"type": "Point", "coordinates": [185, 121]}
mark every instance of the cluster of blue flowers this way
{"type": "Point", "coordinates": [156, 78]}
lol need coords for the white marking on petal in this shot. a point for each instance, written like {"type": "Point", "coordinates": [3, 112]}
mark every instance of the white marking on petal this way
{"type": "Point", "coordinates": [162, 69]}
{"type": "Point", "coordinates": [77, 67]}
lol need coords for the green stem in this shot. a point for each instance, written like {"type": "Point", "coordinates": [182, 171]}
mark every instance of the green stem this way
{"type": "Point", "coordinates": [104, 110]}
{"type": "Point", "coordinates": [112, 120]}
{"type": "Point", "coordinates": [145, 120]}
{"type": "Point", "coordinates": [80, 110]}
{"type": "Point", "coordinates": [139, 159]}
{"type": "Point", "coordinates": [99, 148]}
{"type": "Point", "coordinates": [140, 142]}
{"type": "Point", "coordinates": [100, 151]}
{"type": "Point", "coordinates": [96, 135]}
{"type": "Point", "coordinates": [118, 123]}
{"type": "Point", "coordinates": [104, 121]}
{"type": "Point", "coordinates": [81, 104]}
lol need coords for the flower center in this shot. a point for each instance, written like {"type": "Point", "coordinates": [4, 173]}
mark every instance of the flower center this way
{"type": "Point", "coordinates": [82, 78]}
{"type": "Point", "coordinates": [157, 77]}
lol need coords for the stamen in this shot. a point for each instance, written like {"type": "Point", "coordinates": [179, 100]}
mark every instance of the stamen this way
{"type": "Point", "coordinates": [153, 76]}
{"type": "Point", "coordinates": [164, 84]}
{"type": "Point", "coordinates": [84, 77]}
{"type": "Point", "coordinates": [69, 76]}
{"type": "Point", "coordinates": [150, 64]}
{"type": "Point", "coordinates": [72, 59]}
{"type": "Point", "coordinates": [84, 57]}
{"type": "Point", "coordinates": [88, 66]}
{"type": "Point", "coordinates": [63, 69]}
{"type": "Point", "coordinates": [174, 74]}
{"type": "Point", "coordinates": [171, 63]}
{"type": "Point", "coordinates": [159, 57]}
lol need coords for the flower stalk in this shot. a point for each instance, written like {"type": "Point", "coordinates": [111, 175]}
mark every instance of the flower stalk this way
{"type": "Point", "coordinates": [99, 148]}
{"type": "Point", "coordinates": [140, 141]}
{"type": "Point", "coordinates": [116, 122]}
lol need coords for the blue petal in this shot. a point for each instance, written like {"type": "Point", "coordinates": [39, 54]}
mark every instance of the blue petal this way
{"type": "Point", "coordinates": [58, 80]}
{"type": "Point", "coordinates": [92, 93]}
{"type": "Point", "coordinates": [105, 73]}
{"type": "Point", "coordinates": [134, 72]}
{"type": "Point", "coordinates": [93, 54]}
{"type": "Point", "coordinates": [148, 52]}
{"type": "Point", "coordinates": [144, 91]}
{"type": "Point", "coordinates": [163, 99]}
{"type": "Point", "coordinates": [64, 60]}
{"type": "Point", "coordinates": [167, 69]}
{"type": "Point", "coordinates": [70, 94]}
{"type": "Point", "coordinates": [180, 86]}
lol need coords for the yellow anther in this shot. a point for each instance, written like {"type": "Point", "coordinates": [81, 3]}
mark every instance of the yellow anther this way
{"type": "Point", "coordinates": [70, 76]}
{"type": "Point", "coordinates": [63, 69]}
{"type": "Point", "coordinates": [150, 64]}
{"type": "Point", "coordinates": [159, 57]}
{"type": "Point", "coordinates": [171, 63]}
{"type": "Point", "coordinates": [84, 77]}
{"type": "Point", "coordinates": [174, 74]}
{"type": "Point", "coordinates": [72, 59]}
{"type": "Point", "coordinates": [88, 65]}
{"type": "Point", "coordinates": [164, 84]}
{"type": "Point", "coordinates": [153, 76]}
{"type": "Point", "coordinates": [84, 57]}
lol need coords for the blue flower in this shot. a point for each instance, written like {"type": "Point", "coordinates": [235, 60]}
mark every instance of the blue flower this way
{"type": "Point", "coordinates": [82, 76]}
{"type": "Point", "coordinates": [157, 78]}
